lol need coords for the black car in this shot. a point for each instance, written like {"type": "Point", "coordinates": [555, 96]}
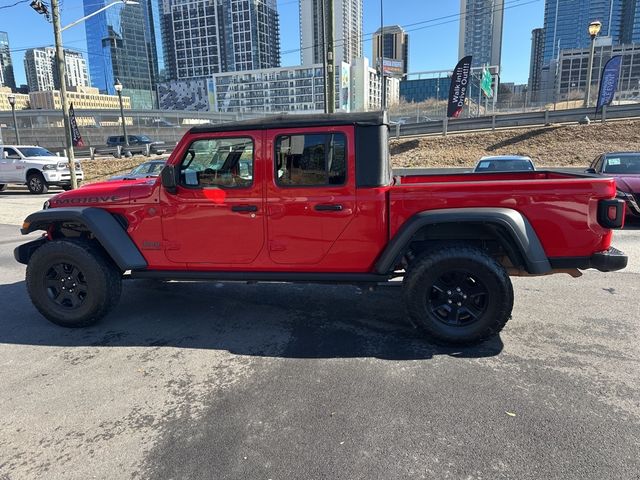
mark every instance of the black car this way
{"type": "Point", "coordinates": [144, 170]}
{"type": "Point", "coordinates": [137, 144]}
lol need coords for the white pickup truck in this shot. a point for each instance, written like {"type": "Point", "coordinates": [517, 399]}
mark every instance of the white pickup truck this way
{"type": "Point", "coordinates": [35, 167]}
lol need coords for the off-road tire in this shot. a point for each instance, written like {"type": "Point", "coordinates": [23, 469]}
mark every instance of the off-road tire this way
{"type": "Point", "coordinates": [93, 283]}
{"type": "Point", "coordinates": [37, 184]}
{"type": "Point", "coordinates": [432, 298]}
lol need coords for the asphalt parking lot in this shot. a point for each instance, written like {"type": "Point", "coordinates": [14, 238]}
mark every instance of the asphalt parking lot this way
{"type": "Point", "coordinates": [232, 381]}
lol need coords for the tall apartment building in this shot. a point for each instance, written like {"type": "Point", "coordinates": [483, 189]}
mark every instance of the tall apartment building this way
{"type": "Point", "coordinates": [481, 31]}
{"type": "Point", "coordinates": [7, 78]}
{"type": "Point", "coordinates": [347, 30]}
{"type": "Point", "coordinates": [566, 22]}
{"type": "Point", "coordinates": [204, 37]}
{"type": "Point", "coordinates": [536, 62]}
{"type": "Point", "coordinates": [122, 46]}
{"type": "Point", "coordinates": [392, 43]}
{"type": "Point", "coordinates": [42, 74]}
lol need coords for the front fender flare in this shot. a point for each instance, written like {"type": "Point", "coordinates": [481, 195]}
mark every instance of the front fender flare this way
{"type": "Point", "coordinates": [106, 229]}
{"type": "Point", "coordinates": [517, 227]}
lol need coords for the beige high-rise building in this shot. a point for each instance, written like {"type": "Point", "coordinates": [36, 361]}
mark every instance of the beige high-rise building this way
{"type": "Point", "coordinates": [81, 97]}
{"type": "Point", "coordinates": [392, 44]}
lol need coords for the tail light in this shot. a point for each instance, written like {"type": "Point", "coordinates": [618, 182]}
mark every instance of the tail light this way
{"type": "Point", "coordinates": [611, 213]}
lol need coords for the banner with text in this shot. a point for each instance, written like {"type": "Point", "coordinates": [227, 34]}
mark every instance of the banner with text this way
{"type": "Point", "coordinates": [75, 131]}
{"type": "Point", "coordinates": [459, 87]}
{"type": "Point", "coordinates": [609, 81]}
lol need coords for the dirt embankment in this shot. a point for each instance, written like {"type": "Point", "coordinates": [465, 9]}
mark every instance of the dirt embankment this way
{"type": "Point", "coordinates": [559, 146]}
{"type": "Point", "coordinates": [555, 146]}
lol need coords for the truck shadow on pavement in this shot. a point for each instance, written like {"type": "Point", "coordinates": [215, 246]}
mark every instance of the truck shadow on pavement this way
{"type": "Point", "coordinates": [272, 320]}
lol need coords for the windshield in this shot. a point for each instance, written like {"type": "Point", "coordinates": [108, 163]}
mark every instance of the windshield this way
{"type": "Point", "coordinates": [623, 164]}
{"type": "Point", "coordinates": [148, 169]}
{"type": "Point", "coordinates": [143, 138]}
{"type": "Point", "coordinates": [35, 152]}
{"type": "Point", "coordinates": [504, 165]}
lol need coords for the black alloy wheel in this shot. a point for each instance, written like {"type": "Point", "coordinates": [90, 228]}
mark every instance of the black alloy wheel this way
{"type": "Point", "coordinates": [458, 298]}
{"type": "Point", "coordinates": [66, 285]}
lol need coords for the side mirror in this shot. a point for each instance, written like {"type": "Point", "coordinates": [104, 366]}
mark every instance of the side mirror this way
{"type": "Point", "coordinates": [168, 179]}
{"type": "Point", "coordinates": [590, 170]}
{"type": "Point", "coordinates": [5, 154]}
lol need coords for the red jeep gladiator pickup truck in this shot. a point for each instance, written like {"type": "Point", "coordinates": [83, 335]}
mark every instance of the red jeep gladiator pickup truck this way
{"type": "Point", "coordinates": [301, 198]}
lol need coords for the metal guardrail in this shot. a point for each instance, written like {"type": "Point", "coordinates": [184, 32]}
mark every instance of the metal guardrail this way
{"type": "Point", "coordinates": [118, 151]}
{"type": "Point", "coordinates": [545, 117]}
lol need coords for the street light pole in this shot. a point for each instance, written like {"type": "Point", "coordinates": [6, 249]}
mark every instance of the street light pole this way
{"type": "Point", "coordinates": [57, 32]}
{"type": "Point", "coordinates": [594, 30]}
{"type": "Point", "coordinates": [118, 87]}
{"type": "Point", "coordinates": [12, 102]}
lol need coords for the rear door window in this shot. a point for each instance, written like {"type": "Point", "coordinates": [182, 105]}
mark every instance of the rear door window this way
{"type": "Point", "coordinates": [311, 160]}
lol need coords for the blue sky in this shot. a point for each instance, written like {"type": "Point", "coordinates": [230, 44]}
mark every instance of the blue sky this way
{"type": "Point", "coordinates": [433, 44]}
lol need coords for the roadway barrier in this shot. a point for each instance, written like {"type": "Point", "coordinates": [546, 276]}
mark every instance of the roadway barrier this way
{"type": "Point", "coordinates": [542, 118]}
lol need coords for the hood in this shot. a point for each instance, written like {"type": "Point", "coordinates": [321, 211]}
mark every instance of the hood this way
{"type": "Point", "coordinates": [628, 183]}
{"type": "Point", "coordinates": [102, 194]}
{"type": "Point", "coordinates": [47, 159]}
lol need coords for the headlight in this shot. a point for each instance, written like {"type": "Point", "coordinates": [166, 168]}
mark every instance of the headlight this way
{"type": "Point", "coordinates": [51, 166]}
{"type": "Point", "coordinates": [63, 165]}
{"type": "Point", "coordinates": [46, 205]}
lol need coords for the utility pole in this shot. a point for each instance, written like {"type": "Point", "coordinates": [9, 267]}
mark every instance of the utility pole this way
{"type": "Point", "coordinates": [331, 63]}
{"type": "Point", "coordinates": [57, 33]}
{"type": "Point", "coordinates": [324, 56]}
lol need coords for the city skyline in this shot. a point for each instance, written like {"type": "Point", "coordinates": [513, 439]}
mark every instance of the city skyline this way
{"type": "Point", "coordinates": [441, 21]}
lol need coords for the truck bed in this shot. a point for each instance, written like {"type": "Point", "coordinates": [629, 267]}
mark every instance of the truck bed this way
{"type": "Point", "coordinates": [561, 206]}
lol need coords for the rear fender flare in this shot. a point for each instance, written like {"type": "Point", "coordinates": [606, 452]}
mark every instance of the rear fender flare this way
{"type": "Point", "coordinates": [518, 229]}
{"type": "Point", "coordinates": [104, 226]}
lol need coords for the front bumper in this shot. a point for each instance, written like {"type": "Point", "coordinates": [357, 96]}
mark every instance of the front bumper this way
{"type": "Point", "coordinates": [62, 178]}
{"type": "Point", "coordinates": [610, 260]}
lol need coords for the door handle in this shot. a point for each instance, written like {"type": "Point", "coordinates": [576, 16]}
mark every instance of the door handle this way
{"type": "Point", "coordinates": [244, 208]}
{"type": "Point", "coordinates": [328, 207]}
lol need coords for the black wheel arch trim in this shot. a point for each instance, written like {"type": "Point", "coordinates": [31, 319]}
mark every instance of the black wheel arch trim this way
{"type": "Point", "coordinates": [517, 227]}
{"type": "Point", "coordinates": [104, 226]}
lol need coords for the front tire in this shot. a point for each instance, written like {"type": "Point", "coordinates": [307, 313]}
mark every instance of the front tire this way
{"type": "Point", "coordinates": [37, 184]}
{"type": "Point", "coordinates": [458, 295]}
{"type": "Point", "coordinates": [72, 284]}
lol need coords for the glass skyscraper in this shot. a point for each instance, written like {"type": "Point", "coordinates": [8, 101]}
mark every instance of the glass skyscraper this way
{"type": "Point", "coordinates": [122, 44]}
{"type": "Point", "coordinates": [6, 66]}
{"type": "Point", "coordinates": [566, 22]}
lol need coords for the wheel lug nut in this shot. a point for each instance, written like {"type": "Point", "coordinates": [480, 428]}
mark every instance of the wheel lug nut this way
{"type": "Point", "coordinates": [449, 301]}
{"type": "Point", "coordinates": [458, 289]}
{"type": "Point", "coordinates": [459, 304]}
{"type": "Point", "coordinates": [448, 292]}
{"type": "Point", "coordinates": [463, 296]}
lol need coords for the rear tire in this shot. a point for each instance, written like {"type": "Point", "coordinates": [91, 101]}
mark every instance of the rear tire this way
{"type": "Point", "coordinates": [72, 284]}
{"type": "Point", "coordinates": [458, 295]}
{"type": "Point", "coordinates": [37, 184]}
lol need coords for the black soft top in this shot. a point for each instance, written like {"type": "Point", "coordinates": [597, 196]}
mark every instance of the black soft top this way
{"type": "Point", "coordinates": [364, 119]}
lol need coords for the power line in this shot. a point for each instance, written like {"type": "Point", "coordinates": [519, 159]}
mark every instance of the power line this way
{"type": "Point", "coordinates": [2, 7]}
{"type": "Point", "coordinates": [509, 4]}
